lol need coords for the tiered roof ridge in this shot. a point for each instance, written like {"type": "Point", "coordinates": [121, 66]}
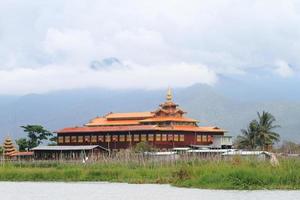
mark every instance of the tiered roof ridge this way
{"type": "Point", "coordinates": [8, 147]}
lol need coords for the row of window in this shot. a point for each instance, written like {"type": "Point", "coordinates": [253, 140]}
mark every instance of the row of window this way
{"type": "Point", "coordinates": [121, 138]}
{"type": "Point", "coordinates": [130, 138]}
{"type": "Point", "coordinates": [204, 138]}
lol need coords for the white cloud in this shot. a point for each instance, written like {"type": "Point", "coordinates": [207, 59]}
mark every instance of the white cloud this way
{"type": "Point", "coordinates": [72, 46]}
{"type": "Point", "coordinates": [62, 37]}
{"type": "Point", "coordinates": [49, 78]}
{"type": "Point", "coordinates": [283, 69]}
{"type": "Point", "coordinates": [68, 40]}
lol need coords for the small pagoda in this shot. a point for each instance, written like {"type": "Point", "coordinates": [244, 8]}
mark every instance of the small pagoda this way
{"type": "Point", "coordinates": [9, 148]}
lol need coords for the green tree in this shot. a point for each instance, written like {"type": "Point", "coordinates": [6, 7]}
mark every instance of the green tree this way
{"type": "Point", "coordinates": [260, 133]}
{"type": "Point", "coordinates": [36, 135]}
{"type": "Point", "coordinates": [53, 141]}
{"type": "Point", "coordinates": [266, 135]}
{"type": "Point", "coordinates": [1, 150]}
{"type": "Point", "coordinates": [248, 139]}
{"type": "Point", "coordinates": [22, 144]}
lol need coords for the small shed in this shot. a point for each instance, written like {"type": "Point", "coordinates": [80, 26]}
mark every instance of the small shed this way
{"type": "Point", "coordinates": [261, 155]}
{"type": "Point", "coordinates": [161, 156]}
{"type": "Point", "coordinates": [222, 142]}
{"type": "Point", "coordinates": [69, 152]}
{"type": "Point", "coordinates": [181, 150]}
{"type": "Point", "coordinates": [209, 152]}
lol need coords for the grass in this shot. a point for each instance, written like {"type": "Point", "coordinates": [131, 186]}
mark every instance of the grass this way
{"type": "Point", "coordinates": [212, 174]}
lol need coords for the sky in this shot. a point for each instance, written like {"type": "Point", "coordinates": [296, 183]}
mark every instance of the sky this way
{"type": "Point", "coordinates": [55, 45]}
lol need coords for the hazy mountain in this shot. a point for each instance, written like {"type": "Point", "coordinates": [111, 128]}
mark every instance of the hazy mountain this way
{"type": "Point", "coordinates": [70, 108]}
{"type": "Point", "coordinates": [107, 64]}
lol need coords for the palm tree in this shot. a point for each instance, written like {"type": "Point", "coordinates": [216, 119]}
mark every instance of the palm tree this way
{"type": "Point", "coordinates": [260, 133]}
{"type": "Point", "coordinates": [266, 135]}
{"type": "Point", "coordinates": [248, 138]}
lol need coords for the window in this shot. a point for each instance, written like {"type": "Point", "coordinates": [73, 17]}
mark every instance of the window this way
{"type": "Point", "coordinates": [87, 139]}
{"type": "Point", "coordinates": [101, 138]}
{"type": "Point", "coordinates": [199, 139]}
{"type": "Point", "coordinates": [158, 137]}
{"type": "Point", "coordinates": [73, 139]}
{"type": "Point", "coordinates": [80, 139]}
{"type": "Point", "coordinates": [181, 138]}
{"type": "Point", "coordinates": [128, 137]}
{"type": "Point", "coordinates": [143, 138]}
{"type": "Point", "coordinates": [136, 137]}
{"type": "Point", "coordinates": [176, 138]}
{"type": "Point", "coordinates": [107, 138]}
{"type": "Point", "coordinates": [60, 139]}
{"type": "Point", "coordinates": [204, 138]}
{"type": "Point", "coordinates": [170, 137]}
{"type": "Point", "coordinates": [67, 139]}
{"type": "Point", "coordinates": [164, 137]}
{"type": "Point", "coordinates": [114, 138]}
{"type": "Point", "coordinates": [122, 138]}
{"type": "Point", "coordinates": [209, 138]}
{"type": "Point", "coordinates": [94, 138]}
{"type": "Point", "coordinates": [150, 137]}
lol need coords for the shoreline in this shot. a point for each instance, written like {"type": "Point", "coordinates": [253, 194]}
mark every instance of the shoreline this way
{"type": "Point", "coordinates": [219, 175]}
{"type": "Point", "coordinates": [146, 184]}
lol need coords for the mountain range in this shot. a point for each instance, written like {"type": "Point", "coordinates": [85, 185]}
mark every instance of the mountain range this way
{"type": "Point", "coordinates": [210, 105]}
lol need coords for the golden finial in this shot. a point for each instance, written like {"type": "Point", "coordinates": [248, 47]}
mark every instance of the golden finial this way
{"type": "Point", "coordinates": [169, 95]}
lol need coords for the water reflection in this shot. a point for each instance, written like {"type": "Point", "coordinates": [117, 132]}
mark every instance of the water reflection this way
{"type": "Point", "coordinates": [120, 191]}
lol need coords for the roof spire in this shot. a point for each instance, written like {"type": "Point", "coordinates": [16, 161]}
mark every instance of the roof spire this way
{"type": "Point", "coordinates": [169, 95]}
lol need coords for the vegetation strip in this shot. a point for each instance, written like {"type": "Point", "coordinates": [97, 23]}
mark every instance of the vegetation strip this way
{"type": "Point", "coordinates": [215, 174]}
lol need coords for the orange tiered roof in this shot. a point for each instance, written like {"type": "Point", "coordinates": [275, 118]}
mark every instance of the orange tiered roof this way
{"type": "Point", "coordinates": [101, 121]}
{"type": "Point", "coordinates": [116, 119]}
{"type": "Point", "coordinates": [163, 119]}
{"type": "Point", "coordinates": [211, 129]}
{"type": "Point", "coordinates": [29, 153]}
{"type": "Point", "coordinates": [114, 123]}
{"type": "Point", "coordinates": [140, 128]}
{"type": "Point", "coordinates": [130, 115]}
{"type": "Point", "coordinates": [106, 129]}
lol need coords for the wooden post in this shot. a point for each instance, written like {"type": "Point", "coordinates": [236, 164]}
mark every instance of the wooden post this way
{"type": "Point", "coordinates": [108, 142]}
{"type": "Point", "coordinates": [92, 157]}
{"type": "Point", "coordinates": [130, 142]}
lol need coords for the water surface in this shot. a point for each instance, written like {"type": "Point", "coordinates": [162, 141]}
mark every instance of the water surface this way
{"type": "Point", "coordinates": [123, 191]}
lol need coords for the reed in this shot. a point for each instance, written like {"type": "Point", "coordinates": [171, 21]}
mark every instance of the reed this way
{"type": "Point", "coordinates": [192, 172]}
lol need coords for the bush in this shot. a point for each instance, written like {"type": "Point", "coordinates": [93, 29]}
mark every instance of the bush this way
{"type": "Point", "coordinates": [143, 147]}
{"type": "Point", "coordinates": [182, 174]}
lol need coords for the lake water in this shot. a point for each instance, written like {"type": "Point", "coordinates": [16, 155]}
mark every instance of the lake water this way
{"type": "Point", "coordinates": [122, 191]}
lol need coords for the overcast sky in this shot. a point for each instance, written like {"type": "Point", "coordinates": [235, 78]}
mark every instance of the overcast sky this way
{"type": "Point", "coordinates": [51, 45]}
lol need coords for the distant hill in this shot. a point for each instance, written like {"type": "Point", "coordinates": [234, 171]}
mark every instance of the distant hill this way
{"type": "Point", "coordinates": [75, 107]}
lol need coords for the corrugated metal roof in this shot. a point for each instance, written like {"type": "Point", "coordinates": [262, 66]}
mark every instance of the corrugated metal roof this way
{"type": "Point", "coordinates": [164, 153]}
{"type": "Point", "coordinates": [210, 151]}
{"type": "Point", "coordinates": [245, 153]}
{"type": "Point", "coordinates": [65, 148]}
